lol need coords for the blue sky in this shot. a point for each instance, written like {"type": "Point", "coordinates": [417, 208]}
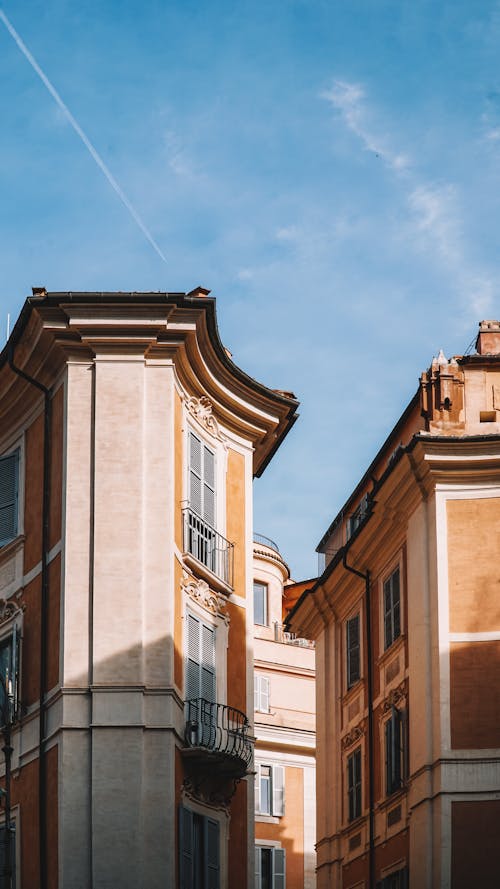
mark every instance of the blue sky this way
{"type": "Point", "coordinates": [328, 168]}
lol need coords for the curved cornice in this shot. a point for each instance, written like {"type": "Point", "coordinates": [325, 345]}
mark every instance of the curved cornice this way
{"type": "Point", "coordinates": [54, 328]}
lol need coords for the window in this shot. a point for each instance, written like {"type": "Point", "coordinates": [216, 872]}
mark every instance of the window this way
{"type": "Point", "coordinates": [353, 651]}
{"type": "Point", "coordinates": [355, 520]}
{"type": "Point", "coordinates": [5, 837]}
{"type": "Point", "coordinates": [392, 614]}
{"type": "Point", "coordinates": [270, 870]}
{"type": "Point", "coordinates": [9, 495]}
{"type": "Point", "coordinates": [270, 790]}
{"type": "Point", "coordinates": [397, 880]}
{"type": "Point", "coordinates": [261, 694]}
{"type": "Point", "coordinates": [260, 604]}
{"type": "Point", "coordinates": [9, 677]}
{"type": "Point", "coordinates": [395, 765]}
{"type": "Point", "coordinates": [354, 784]}
{"type": "Point", "coordinates": [199, 851]}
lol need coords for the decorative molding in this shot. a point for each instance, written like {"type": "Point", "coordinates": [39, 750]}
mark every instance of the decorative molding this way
{"type": "Point", "coordinates": [202, 410]}
{"type": "Point", "coordinates": [354, 735]}
{"type": "Point", "coordinates": [200, 592]}
{"type": "Point", "coordinates": [396, 697]}
{"type": "Point", "coordinates": [9, 610]}
{"type": "Point", "coordinates": [215, 791]}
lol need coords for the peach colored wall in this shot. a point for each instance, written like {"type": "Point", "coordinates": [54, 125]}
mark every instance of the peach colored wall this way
{"type": "Point", "coordinates": [178, 625]}
{"type": "Point", "coordinates": [290, 829]}
{"type": "Point", "coordinates": [475, 850]}
{"type": "Point", "coordinates": [179, 468]}
{"type": "Point", "coordinates": [474, 575]}
{"type": "Point", "coordinates": [236, 659]}
{"type": "Point", "coordinates": [475, 694]}
{"type": "Point", "coordinates": [238, 839]}
{"type": "Point", "coordinates": [235, 521]}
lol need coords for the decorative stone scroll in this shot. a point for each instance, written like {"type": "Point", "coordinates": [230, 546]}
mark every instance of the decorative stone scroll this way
{"type": "Point", "coordinates": [9, 609]}
{"type": "Point", "coordinates": [200, 591]}
{"type": "Point", "coordinates": [202, 410]}
{"type": "Point", "coordinates": [395, 698]}
{"type": "Point", "coordinates": [354, 735]}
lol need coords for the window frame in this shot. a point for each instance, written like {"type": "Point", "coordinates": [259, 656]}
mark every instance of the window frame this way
{"type": "Point", "coordinates": [392, 637]}
{"type": "Point", "coordinates": [265, 590]}
{"type": "Point", "coordinates": [354, 784]}
{"type": "Point", "coordinates": [395, 746]}
{"type": "Point", "coordinates": [187, 817]}
{"type": "Point", "coordinates": [276, 792]}
{"type": "Point", "coordinates": [278, 880]}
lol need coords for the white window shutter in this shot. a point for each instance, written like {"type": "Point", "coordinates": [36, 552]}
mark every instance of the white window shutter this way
{"type": "Point", "coordinates": [278, 790]}
{"type": "Point", "coordinates": [209, 486]}
{"type": "Point", "coordinates": [257, 788]}
{"type": "Point", "coordinates": [279, 869]}
{"type": "Point", "coordinates": [256, 692]}
{"type": "Point", "coordinates": [257, 868]}
{"type": "Point", "coordinates": [264, 694]}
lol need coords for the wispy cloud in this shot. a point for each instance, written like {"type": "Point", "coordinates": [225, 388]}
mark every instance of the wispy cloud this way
{"type": "Point", "coordinates": [434, 212]}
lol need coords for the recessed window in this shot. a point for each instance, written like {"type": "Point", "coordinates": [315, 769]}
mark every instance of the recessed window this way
{"type": "Point", "coordinates": [394, 750]}
{"type": "Point", "coordinates": [397, 880]}
{"type": "Point", "coordinates": [9, 495]}
{"type": "Point", "coordinates": [354, 784]}
{"type": "Point", "coordinates": [269, 867]}
{"type": "Point", "coordinates": [260, 611]}
{"type": "Point", "coordinates": [392, 608]}
{"type": "Point", "coordinates": [270, 790]}
{"type": "Point", "coordinates": [353, 651]}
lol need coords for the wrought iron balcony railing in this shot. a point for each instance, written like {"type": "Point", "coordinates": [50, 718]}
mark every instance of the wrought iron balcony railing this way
{"type": "Point", "coordinates": [208, 546]}
{"type": "Point", "coordinates": [219, 729]}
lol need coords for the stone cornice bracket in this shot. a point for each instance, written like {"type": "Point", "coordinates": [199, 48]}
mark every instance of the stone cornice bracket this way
{"type": "Point", "coordinates": [200, 592]}
{"type": "Point", "coordinates": [202, 410]}
{"type": "Point", "coordinates": [395, 698]}
{"type": "Point", "coordinates": [9, 610]}
{"type": "Point", "coordinates": [354, 735]}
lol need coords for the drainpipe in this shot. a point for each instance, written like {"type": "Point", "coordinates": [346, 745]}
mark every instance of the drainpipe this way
{"type": "Point", "coordinates": [371, 775]}
{"type": "Point", "coordinates": [42, 778]}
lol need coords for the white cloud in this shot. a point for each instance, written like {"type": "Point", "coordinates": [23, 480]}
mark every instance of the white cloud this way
{"type": "Point", "coordinates": [435, 216]}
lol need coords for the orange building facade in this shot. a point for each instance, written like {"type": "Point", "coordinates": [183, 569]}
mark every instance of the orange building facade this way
{"type": "Point", "coordinates": [284, 726]}
{"type": "Point", "coordinates": [128, 444]}
{"type": "Point", "coordinates": [406, 618]}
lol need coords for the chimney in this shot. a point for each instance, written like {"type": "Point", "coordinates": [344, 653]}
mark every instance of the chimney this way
{"type": "Point", "coordinates": [488, 338]}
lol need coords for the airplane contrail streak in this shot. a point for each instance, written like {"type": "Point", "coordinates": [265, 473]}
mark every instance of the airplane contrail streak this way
{"type": "Point", "coordinates": [78, 130]}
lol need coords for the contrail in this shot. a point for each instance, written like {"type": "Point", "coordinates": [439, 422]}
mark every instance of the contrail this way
{"type": "Point", "coordinates": [78, 130]}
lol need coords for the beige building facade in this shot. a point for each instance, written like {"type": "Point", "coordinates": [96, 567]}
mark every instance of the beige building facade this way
{"type": "Point", "coordinates": [128, 444]}
{"type": "Point", "coordinates": [406, 618]}
{"type": "Point", "coordinates": [285, 731]}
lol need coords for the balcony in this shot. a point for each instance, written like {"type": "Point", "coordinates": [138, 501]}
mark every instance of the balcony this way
{"type": "Point", "coordinates": [209, 549]}
{"type": "Point", "coordinates": [217, 738]}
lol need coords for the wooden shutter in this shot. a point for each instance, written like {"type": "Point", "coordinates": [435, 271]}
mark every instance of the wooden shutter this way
{"type": "Point", "coordinates": [192, 678]}
{"type": "Point", "coordinates": [264, 694]}
{"type": "Point", "coordinates": [212, 853]}
{"type": "Point", "coordinates": [186, 857]}
{"type": "Point", "coordinates": [208, 663]}
{"type": "Point", "coordinates": [201, 480]}
{"type": "Point", "coordinates": [278, 790]}
{"type": "Point", "coordinates": [209, 486]}
{"type": "Point", "coordinates": [352, 643]}
{"type": "Point", "coordinates": [279, 870]}
{"type": "Point", "coordinates": [195, 475]}
{"type": "Point", "coordinates": [9, 475]}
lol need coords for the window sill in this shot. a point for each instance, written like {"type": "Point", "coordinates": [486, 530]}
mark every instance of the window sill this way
{"type": "Point", "coordinates": [11, 547]}
{"type": "Point", "coordinates": [393, 649]}
{"type": "Point", "coordinates": [215, 582]}
{"type": "Point", "coordinates": [267, 819]}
